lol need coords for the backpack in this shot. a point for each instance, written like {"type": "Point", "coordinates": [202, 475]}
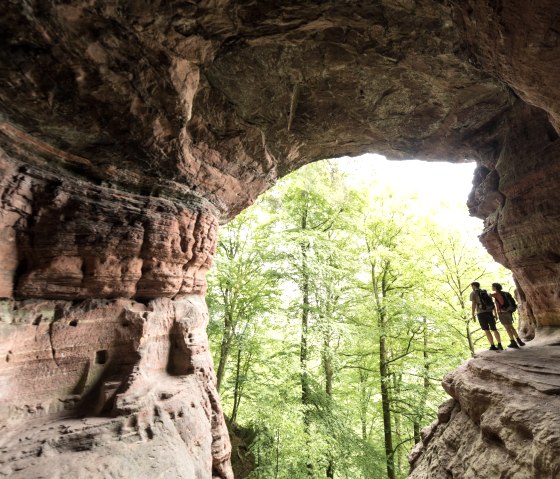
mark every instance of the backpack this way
{"type": "Point", "coordinates": [485, 302]}
{"type": "Point", "coordinates": [509, 303]}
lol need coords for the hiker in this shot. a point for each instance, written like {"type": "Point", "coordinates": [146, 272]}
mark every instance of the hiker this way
{"type": "Point", "coordinates": [484, 306]}
{"type": "Point", "coordinates": [505, 306]}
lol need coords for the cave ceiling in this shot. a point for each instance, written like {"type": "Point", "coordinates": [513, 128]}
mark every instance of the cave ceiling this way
{"type": "Point", "coordinates": [221, 98]}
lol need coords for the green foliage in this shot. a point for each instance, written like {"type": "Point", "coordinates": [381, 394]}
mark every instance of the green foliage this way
{"type": "Point", "coordinates": [335, 314]}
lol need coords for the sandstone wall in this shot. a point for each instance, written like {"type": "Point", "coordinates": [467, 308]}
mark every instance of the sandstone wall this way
{"type": "Point", "coordinates": [109, 386]}
{"type": "Point", "coordinates": [502, 420]}
{"type": "Point", "coordinates": [66, 238]}
{"type": "Point", "coordinates": [518, 197]}
{"type": "Point", "coordinates": [105, 358]}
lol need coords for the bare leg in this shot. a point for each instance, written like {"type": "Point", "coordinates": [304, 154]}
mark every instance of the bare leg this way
{"type": "Point", "coordinates": [511, 331]}
{"type": "Point", "coordinates": [514, 333]}
{"type": "Point", "coordinates": [489, 336]}
{"type": "Point", "coordinates": [497, 336]}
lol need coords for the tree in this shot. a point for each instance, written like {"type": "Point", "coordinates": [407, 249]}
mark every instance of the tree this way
{"type": "Point", "coordinates": [383, 237]}
{"type": "Point", "coordinates": [311, 214]}
{"type": "Point", "coordinates": [456, 265]}
{"type": "Point", "coordinates": [243, 288]}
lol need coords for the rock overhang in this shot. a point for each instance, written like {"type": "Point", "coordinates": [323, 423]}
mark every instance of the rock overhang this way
{"type": "Point", "coordinates": [217, 100]}
{"type": "Point", "coordinates": [223, 99]}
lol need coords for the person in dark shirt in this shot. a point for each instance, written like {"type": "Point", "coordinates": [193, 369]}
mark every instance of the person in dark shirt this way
{"type": "Point", "coordinates": [485, 314]}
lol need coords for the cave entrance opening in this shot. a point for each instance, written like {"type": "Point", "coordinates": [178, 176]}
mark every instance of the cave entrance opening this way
{"type": "Point", "coordinates": [338, 302]}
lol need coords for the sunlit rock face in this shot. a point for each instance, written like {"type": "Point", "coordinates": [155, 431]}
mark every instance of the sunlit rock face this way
{"type": "Point", "coordinates": [129, 130]}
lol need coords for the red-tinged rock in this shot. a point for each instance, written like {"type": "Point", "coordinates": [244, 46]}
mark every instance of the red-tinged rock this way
{"type": "Point", "coordinates": [75, 240]}
{"type": "Point", "coordinates": [140, 375]}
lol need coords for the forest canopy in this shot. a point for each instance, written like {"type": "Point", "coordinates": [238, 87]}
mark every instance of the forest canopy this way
{"type": "Point", "coordinates": [335, 312]}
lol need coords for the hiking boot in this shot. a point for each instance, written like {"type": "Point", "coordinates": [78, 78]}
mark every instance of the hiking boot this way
{"type": "Point", "coordinates": [493, 348]}
{"type": "Point", "coordinates": [521, 343]}
{"type": "Point", "coordinates": [513, 344]}
{"type": "Point", "coordinates": [500, 348]}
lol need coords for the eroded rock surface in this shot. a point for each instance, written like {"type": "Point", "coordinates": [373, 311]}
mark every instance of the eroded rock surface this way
{"type": "Point", "coordinates": [75, 240]}
{"type": "Point", "coordinates": [87, 369]}
{"type": "Point", "coordinates": [502, 420]}
{"type": "Point", "coordinates": [223, 97]}
{"type": "Point", "coordinates": [518, 199]}
{"type": "Point", "coordinates": [517, 42]}
{"type": "Point", "coordinates": [129, 130]}
{"type": "Point", "coordinates": [109, 386]}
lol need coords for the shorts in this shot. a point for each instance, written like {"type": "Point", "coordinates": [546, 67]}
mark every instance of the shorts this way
{"type": "Point", "coordinates": [505, 317]}
{"type": "Point", "coordinates": [487, 321]}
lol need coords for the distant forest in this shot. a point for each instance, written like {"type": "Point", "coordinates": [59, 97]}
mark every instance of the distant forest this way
{"type": "Point", "coordinates": [334, 315]}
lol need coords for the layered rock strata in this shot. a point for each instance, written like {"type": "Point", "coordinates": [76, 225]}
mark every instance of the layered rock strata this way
{"type": "Point", "coordinates": [104, 351]}
{"type": "Point", "coordinates": [517, 195]}
{"type": "Point", "coordinates": [502, 420]}
{"type": "Point", "coordinates": [69, 239]}
{"type": "Point", "coordinates": [222, 98]}
{"type": "Point", "coordinates": [109, 387]}
{"type": "Point", "coordinates": [517, 43]}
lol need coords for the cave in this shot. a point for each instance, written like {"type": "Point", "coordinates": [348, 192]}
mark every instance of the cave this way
{"type": "Point", "coordinates": [130, 131]}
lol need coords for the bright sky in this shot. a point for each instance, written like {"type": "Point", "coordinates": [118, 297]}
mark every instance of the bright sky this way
{"type": "Point", "coordinates": [434, 183]}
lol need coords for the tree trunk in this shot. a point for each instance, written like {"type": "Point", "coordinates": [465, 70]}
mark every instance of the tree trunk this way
{"type": "Point", "coordinates": [380, 291]}
{"type": "Point", "coordinates": [364, 399]}
{"type": "Point", "coordinates": [466, 317]}
{"type": "Point", "coordinates": [416, 431]}
{"type": "Point", "coordinates": [469, 338]}
{"type": "Point", "coordinates": [236, 390]}
{"type": "Point", "coordinates": [425, 386]}
{"type": "Point", "coordinates": [303, 357]}
{"type": "Point", "coordinates": [328, 369]}
{"type": "Point", "coordinates": [224, 353]}
{"type": "Point", "coordinates": [386, 406]}
{"type": "Point", "coordinates": [277, 458]}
